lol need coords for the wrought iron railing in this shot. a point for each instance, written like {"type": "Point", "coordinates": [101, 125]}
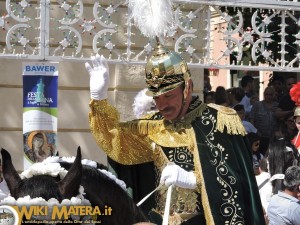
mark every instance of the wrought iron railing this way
{"type": "Point", "coordinates": [252, 35]}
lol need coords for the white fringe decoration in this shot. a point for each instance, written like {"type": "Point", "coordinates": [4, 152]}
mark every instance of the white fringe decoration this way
{"type": "Point", "coordinates": [154, 18]}
{"type": "Point", "coordinates": [56, 159]}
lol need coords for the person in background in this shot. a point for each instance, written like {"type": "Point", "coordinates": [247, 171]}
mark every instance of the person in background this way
{"type": "Point", "coordinates": [239, 108]}
{"type": "Point", "coordinates": [277, 82]}
{"type": "Point", "coordinates": [247, 83]}
{"type": "Point", "coordinates": [281, 155]}
{"type": "Point", "coordinates": [235, 96]}
{"type": "Point", "coordinates": [254, 98]}
{"type": "Point", "coordinates": [208, 136]}
{"type": "Point", "coordinates": [286, 104]}
{"type": "Point", "coordinates": [287, 128]}
{"type": "Point", "coordinates": [209, 97]}
{"type": "Point", "coordinates": [221, 96]}
{"type": "Point", "coordinates": [263, 118]}
{"type": "Point", "coordinates": [289, 82]}
{"type": "Point", "coordinates": [254, 141]}
{"type": "Point", "coordinates": [284, 207]}
{"type": "Point", "coordinates": [263, 182]}
{"type": "Point", "coordinates": [207, 85]}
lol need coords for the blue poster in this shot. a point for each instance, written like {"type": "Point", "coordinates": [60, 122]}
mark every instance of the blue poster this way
{"type": "Point", "coordinates": [40, 91]}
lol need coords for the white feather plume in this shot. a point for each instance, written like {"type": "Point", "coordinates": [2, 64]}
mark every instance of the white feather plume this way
{"type": "Point", "coordinates": [143, 104]}
{"type": "Point", "coordinates": [154, 18]}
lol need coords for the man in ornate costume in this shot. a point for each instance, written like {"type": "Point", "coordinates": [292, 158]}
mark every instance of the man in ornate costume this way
{"type": "Point", "coordinates": [200, 149]}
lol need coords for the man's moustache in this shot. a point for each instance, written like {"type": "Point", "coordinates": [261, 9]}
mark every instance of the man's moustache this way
{"type": "Point", "coordinates": [166, 110]}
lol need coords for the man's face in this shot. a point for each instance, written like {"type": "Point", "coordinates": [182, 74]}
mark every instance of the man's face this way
{"type": "Point", "coordinates": [169, 104]}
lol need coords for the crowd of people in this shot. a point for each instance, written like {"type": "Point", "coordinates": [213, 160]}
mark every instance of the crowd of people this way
{"type": "Point", "coordinates": [271, 116]}
{"type": "Point", "coordinates": [230, 159]}
{"type": "Point", "coordinates": [272, 125]}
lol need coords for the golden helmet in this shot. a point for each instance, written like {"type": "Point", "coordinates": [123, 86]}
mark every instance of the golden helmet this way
{"type": "Point", "coordinates": [165, 71]}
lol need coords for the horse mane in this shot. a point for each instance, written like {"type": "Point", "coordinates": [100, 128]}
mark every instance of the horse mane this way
{"type": "Point", "coordinates": [40, 184]}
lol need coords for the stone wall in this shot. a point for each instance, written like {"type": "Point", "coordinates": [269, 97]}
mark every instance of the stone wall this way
{"type": "Point", "coordinates": [73, 99]}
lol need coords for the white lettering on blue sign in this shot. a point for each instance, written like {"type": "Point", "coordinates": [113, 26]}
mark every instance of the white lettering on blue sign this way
{"type": "Point", "coordinates": [40, 68]}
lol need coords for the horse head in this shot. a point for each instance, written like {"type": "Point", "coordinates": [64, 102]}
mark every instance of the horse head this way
{"type": "Point", "coordinates": [42, 185]}
{"type": "Point", "coordinates": [101, 189]}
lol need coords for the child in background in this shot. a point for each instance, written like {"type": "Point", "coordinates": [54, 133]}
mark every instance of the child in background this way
{"type": "Point", "coordinates": [254, 141]}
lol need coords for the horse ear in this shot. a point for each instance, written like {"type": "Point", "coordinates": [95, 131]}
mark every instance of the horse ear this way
{"type": "Point", "coordinates": [10, 174]}
{"type": "Point", "coordinates": [69, 186]}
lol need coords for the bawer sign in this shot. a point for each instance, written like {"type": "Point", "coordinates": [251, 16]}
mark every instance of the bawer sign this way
{"type": "Point", "coordinates": [61, 212]}
{"type": "Point", "coordinates": [40, 68]}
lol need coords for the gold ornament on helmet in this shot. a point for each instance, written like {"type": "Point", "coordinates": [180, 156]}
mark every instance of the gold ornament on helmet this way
{"type": "Point", "coordinates": [165, 71]}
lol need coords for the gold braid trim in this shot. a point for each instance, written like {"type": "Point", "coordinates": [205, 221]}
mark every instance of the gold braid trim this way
{"type": "Point", "coordinates": [201, 188]}
{"type": "Point", "coordinates": [227, 117]}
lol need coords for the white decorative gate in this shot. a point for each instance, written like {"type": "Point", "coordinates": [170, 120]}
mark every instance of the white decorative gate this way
{"type": "Point", "coordinates": [252, 35]}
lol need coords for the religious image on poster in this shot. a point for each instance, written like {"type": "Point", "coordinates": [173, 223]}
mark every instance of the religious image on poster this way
{"type": "Point", "coordinates": [39, 145]}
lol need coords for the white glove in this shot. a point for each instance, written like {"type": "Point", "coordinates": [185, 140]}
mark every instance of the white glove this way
{"type": "Point", "coordinates": [99, 77]}
{"type": "Point", "coordinates": [174, 174]}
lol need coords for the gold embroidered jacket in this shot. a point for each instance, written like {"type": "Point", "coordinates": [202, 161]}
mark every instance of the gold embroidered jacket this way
{"type": "Point", "coordinates": [209, 141]}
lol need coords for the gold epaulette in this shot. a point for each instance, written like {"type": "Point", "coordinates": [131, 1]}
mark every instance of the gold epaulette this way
{"type": "Point", "coordinates": [227, 117]}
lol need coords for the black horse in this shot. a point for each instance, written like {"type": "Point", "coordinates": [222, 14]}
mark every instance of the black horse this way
{"type": "Point", "coordinates": [100, 190]}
